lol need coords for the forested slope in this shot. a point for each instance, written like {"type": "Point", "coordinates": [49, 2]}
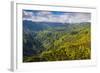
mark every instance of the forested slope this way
{"type": "Point", "coordinates": [45, 41]}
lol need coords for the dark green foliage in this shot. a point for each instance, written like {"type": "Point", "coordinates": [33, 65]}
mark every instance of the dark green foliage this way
{"type": "Point", "coordinates": [56, 42]}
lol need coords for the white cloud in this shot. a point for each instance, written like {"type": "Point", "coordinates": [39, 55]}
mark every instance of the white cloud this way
{"type": "Point", "coordinates": [82, 17]}
{"type": "Point", "coordinates": [47, 16]}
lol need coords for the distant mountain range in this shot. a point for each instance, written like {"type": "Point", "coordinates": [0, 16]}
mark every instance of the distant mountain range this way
{"type": "Point", "coordinates": [37, 26]}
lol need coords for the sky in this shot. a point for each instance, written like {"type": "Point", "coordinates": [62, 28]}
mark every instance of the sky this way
{"type": "Point", "coordinates": [56, 16]}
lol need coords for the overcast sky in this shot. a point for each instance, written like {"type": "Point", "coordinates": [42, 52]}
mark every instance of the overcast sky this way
{"type": "Point", "coordinates": [56, 16]}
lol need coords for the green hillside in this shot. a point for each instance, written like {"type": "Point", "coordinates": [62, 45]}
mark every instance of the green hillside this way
{"type": "Point", "coordinates": [57, 43]}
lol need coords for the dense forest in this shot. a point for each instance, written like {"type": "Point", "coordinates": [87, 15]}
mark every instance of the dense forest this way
{"type": "Point", "coordinates": [50, 41]}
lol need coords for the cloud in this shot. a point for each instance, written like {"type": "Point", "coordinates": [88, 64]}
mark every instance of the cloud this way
{"type": "Point", "coordinates": [51, 16]}
{"type": "Point", "coordinates": [80, 17]}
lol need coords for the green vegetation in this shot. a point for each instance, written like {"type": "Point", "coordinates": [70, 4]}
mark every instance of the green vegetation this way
{"type": "Point", "coordinates": [66, 42]}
